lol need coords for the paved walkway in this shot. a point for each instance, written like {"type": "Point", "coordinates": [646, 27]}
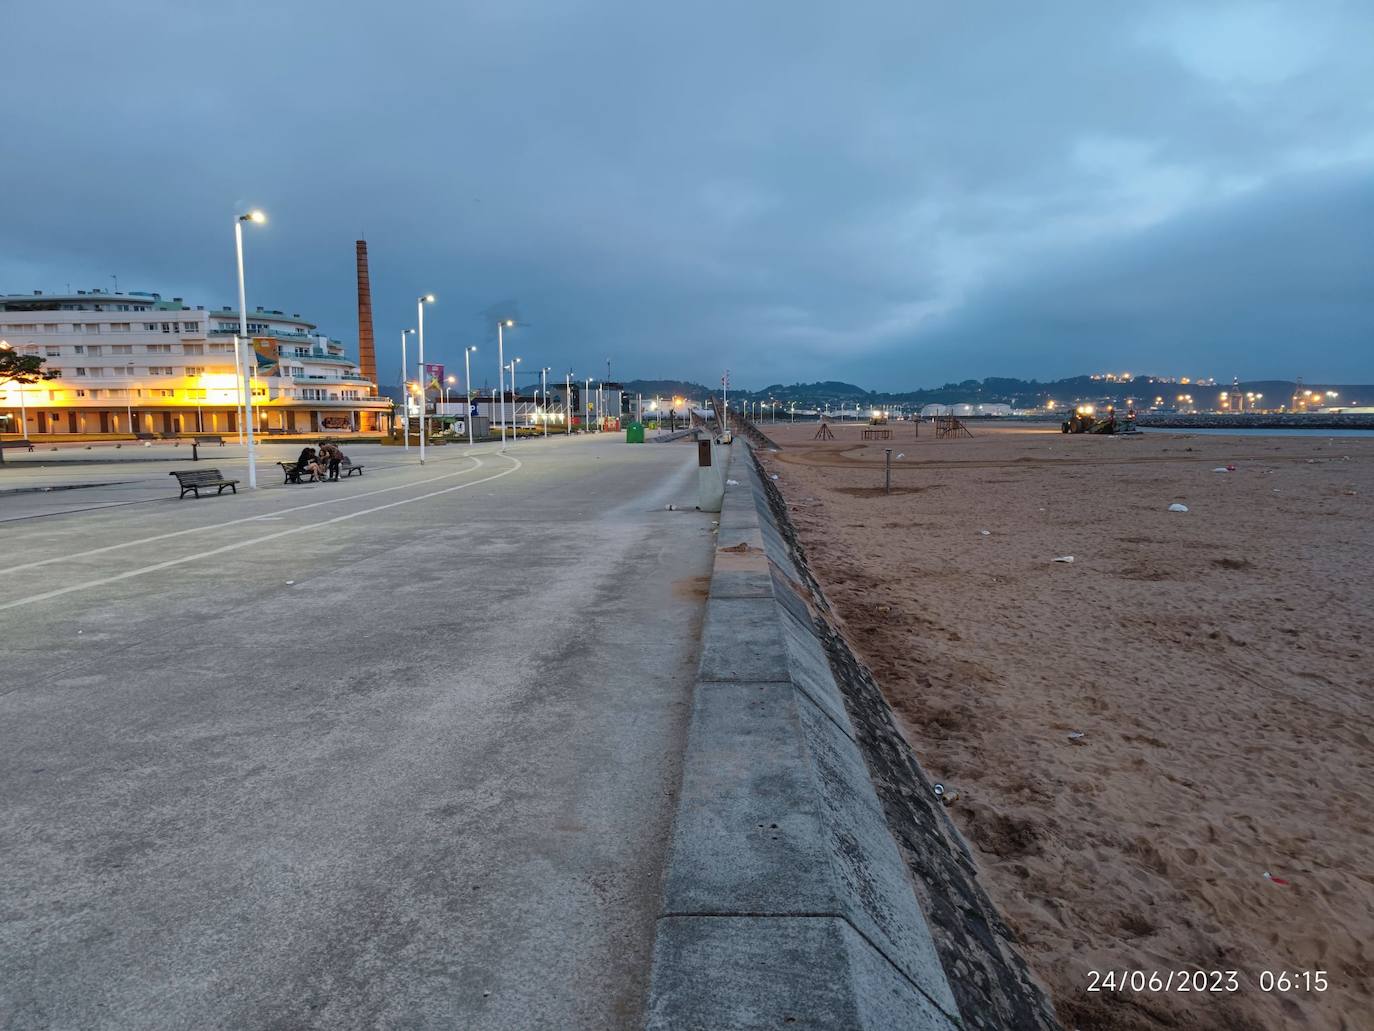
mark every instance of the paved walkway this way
{"type": "Point", "coordinates": [394, 752]}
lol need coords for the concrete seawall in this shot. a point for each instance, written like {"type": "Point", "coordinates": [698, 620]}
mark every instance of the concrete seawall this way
{"type": "Point", "coordinates": [807, 850]}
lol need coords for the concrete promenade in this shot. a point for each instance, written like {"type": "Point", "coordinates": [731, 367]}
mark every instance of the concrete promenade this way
{"type": "Point", "coordinates": [400, 751]}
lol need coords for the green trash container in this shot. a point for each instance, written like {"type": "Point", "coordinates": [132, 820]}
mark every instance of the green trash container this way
{"type": "Point", "coordinates": [634, 433]}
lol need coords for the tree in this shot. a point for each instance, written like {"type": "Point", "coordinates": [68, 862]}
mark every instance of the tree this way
{"type": "Point", "coordinates": [21, 368]}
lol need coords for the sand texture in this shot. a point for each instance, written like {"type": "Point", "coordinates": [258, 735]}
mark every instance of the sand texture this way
{"type": "Point", "coordinates": [1135, 737]}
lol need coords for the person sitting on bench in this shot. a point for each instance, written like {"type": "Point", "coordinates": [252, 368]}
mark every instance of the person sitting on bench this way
{"type": "Point", "coordinates": [309, 462]}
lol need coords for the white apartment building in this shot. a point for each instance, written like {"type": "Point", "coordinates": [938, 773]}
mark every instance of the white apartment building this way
{"type": "Point", "coordinates": [136, 363]}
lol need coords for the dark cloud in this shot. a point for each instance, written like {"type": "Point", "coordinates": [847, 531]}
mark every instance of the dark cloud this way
{"type": "Point", "coordinates": [893, 192]}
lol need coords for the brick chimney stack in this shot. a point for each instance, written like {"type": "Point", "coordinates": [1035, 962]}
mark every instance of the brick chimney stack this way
{"type": "Point", "coordinates": [367, 349]}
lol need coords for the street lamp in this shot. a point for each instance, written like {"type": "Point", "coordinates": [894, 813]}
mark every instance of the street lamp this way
{"type": "Point", "coordinates": [450, 381]}
{"type": "Point", "coordinates": [467, 378]}
{"type": "Point", "coordinates": [405, 392]}
{"type": "Point", "coordinates": [250, 359]}
{"type": "Point", "coordinates": [420, 303]}
{"type": "Point", "coordinates": [585, 396]}
{"type": "Point", "coordinates": [501, 326]}
{"type": "Point", "coordinates": [544, 379]}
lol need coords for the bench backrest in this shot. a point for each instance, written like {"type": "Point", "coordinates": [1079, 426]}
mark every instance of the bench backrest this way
{"type": "Point", "coordinates": [194, 477]}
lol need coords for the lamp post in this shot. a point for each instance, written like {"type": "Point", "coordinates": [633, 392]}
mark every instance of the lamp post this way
{"type": "Point", "coordinates": [249, 359]}
{"type": "Point", "coordinates": [467, 379]}
{"type": "Point", "coordinates": [128, 397]}
{"type": "Point", "coordinates": [513, 413]}
{"type": "Point", "coordinates": [405, 391]}
{"type": "Point", "coordinates": [420, 336]}
{"type": "Point", "coordinates": [567, 402]}
{"type": "Point", "coordinates": [501, 326]}
{"type": "Point", "coordinates": [450, 381]}
{"type": "Point", "coordinates": [586, 395]}
{"type": "Point", "coordinates": [544, 379]}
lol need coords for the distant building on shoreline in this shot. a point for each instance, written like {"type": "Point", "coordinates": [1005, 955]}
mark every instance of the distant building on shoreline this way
{"type": "Point", "coordinates": [133, 362]}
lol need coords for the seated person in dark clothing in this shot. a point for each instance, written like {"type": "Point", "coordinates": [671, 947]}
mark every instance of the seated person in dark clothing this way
{"type": "Point", "coordinates": [309, 462]}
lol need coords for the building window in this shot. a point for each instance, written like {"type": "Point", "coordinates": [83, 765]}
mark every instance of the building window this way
{"type": "Point", "coordinates": [53, 352]}
{"type": "Point", "coordinates": [51, 327]}
{"type": "Point", "coordinates": [80, 393]}
{"type": "Point", "coordinates": [192, 327]}
{"type": "Point", "coordinates": [164, 393]}
{"type": "Point", "coordinates": [122, 348]}
{"type": "Point", "coordinates": [195, 370]}
{"type": "Point", "coordinates": [79, 349]}
{"type": "Point", "coordinates": [158, 348]}
{"type": "Point", "coordinates": [221, 348]}
{"type": "Point", "coordinates": [151, 327]}
{"type": "Point", "coordinates": [92, 348]}
{"type": "Point", "coordinates": [196, 395]}
{"type": "Point", "coordinates": [192, 348]}
{"type": "Point", "coordinates": [159, 370]}
{"type": "Point", "coordinates": [119, 327]}
{"type": "Point", "coordinates": [80, 372]}
{"type": "Point", "coordinates": [349, 395]}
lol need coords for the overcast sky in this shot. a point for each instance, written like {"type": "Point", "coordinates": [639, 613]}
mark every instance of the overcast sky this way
{"type": "Point", "coordinates": [896, 193]}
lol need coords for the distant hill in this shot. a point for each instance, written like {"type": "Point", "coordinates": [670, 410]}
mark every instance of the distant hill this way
{"type": "Point", "coordinates": [669, 388]}
{"type": "Point", "coordinates": [1019, 393]}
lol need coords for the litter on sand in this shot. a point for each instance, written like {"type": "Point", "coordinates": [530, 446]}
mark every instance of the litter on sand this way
{"type": "Point", "coordinates": [1064, 558]}
{"type": "Point", "coordinates": [773, 477]}
{"type": "Point", "coordinates": [732, 483]}
{"type": "Point", "coordinates": [1176, 507]}
{"type": "Point", "coordinates": [670, 508]}
{"type": "Point", "coordinates": [1224, 469]}
{"type": "Point", "coordinates": [1075, 735]}
{"type": "Point", "coordinates": [985, 533]}
{"type": "Point", "coordinates": [946, 795]}
{"type": "Point", "coordinates": [1276, 880]}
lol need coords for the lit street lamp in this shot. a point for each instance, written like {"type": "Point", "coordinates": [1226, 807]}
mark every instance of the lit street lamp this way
{"type": "Point", "coordinates": [567, 401]}
{"type": "Point", "coordinates": [544, 379]}
{"type": "Point", "coordinates": [250, 360]}
{"type": "Point", "coordinates": [405, 392]}
{"type": "Point", "coordinates": [501, 326]}
{"type": "Point", "coordinates": [450, 381]}
{"type": "Point", "coordinates": [467, 378]}
{"type": "Point", "coordinates": [513, 398]}
{"type": "Point", "coordinates": [420, 308]}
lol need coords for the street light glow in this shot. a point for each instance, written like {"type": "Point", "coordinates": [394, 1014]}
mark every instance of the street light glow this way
{"type": "Point", "coordinates": [253, 216]}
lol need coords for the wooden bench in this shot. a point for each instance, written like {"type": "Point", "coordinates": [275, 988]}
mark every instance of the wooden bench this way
{"type": "Point", "coordinates": [275, 431]}
{"type": "Point", "coordinates": [209, 438]}
{"type": "Point", "coordinates": [877, 434]}
{"type": "Point", "coordinates": [145, 436]}
{"type": "Point", "coordinates": [291, 474]}
{"type": "Point", "coordinates": [349, 468]}
{"type": "Point", "coordinates": [25, 444]}
{"type": "Point", "coordinates": [194, 479]}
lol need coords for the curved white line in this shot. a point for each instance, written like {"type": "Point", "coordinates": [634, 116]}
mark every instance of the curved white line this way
{"type": "Point", "coordinates": [245, 519]}
{"type": "Point", "coordinates": [249, 543]}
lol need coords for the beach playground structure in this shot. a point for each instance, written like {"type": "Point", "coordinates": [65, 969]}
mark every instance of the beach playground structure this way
{"type": "Point", "coordinates": [950, 426]}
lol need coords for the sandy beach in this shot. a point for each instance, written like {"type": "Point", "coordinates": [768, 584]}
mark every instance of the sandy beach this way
{"type": "Point", "coordinates": [1161, 750]}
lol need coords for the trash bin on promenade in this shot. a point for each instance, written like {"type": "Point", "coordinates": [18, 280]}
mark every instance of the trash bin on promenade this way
{"type": "Point", "coordinates": [634, 433]}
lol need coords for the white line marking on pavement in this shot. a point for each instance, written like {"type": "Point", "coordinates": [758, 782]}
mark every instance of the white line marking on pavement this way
{"type": "Point", "coordinates": [244, 519]}
{"type": "Point", "coordinates": [249, 543]}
